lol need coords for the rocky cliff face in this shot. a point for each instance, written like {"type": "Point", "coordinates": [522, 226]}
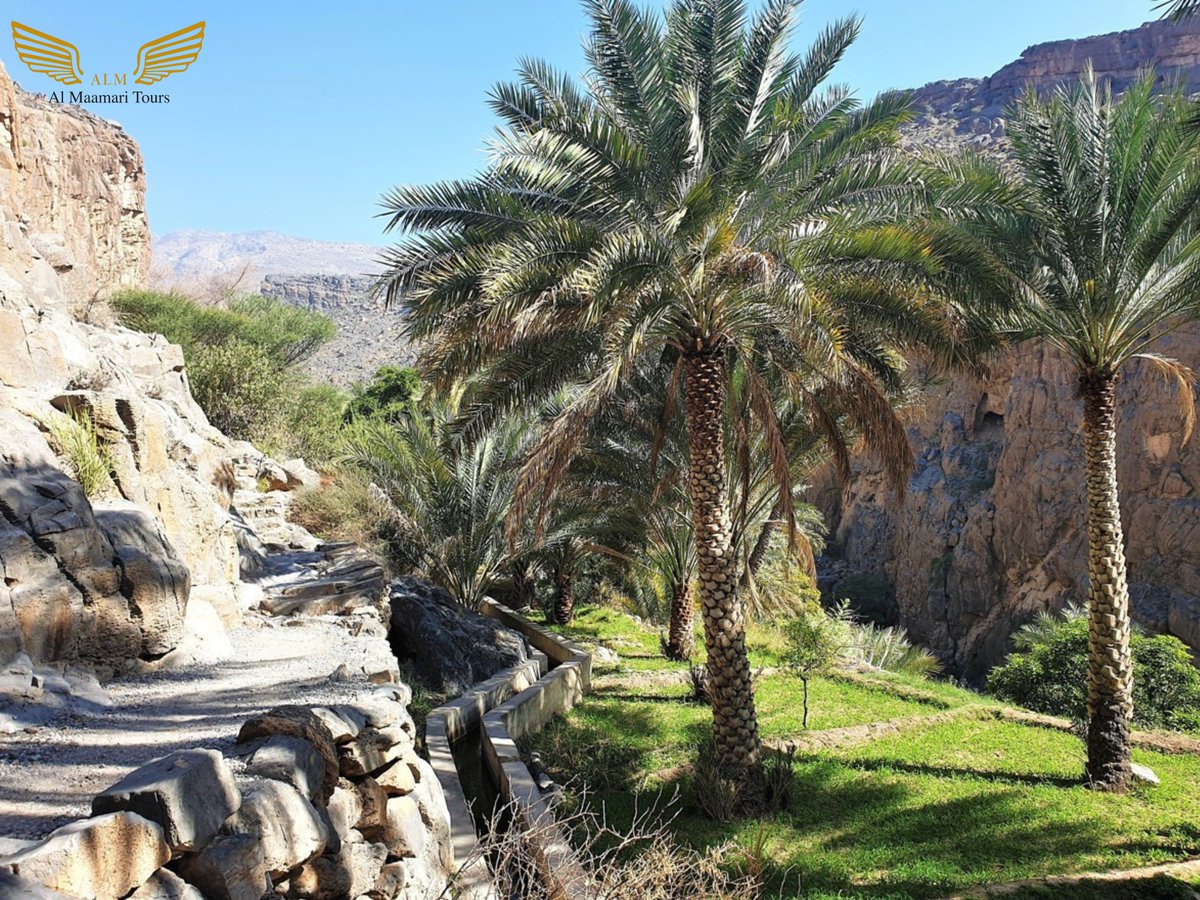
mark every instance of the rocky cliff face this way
{"type": "Point", "coordinates": [992, 527]}
{"type": "Point", "coordinates": [72, 189]}
{"type": "Point", "coordinates": [972, 109]}
{"type": "Point", "coordinates": [105, 579]}
{"type": "Point", "coordinates": [368, 334]}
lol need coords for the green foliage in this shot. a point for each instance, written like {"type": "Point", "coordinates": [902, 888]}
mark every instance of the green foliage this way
{"type": "Point", "coordinates": [239, 388]}
{"type": "Point", "coordinates": [240, 360]}
{"type": "Point", "coordinates": [449, 499]}
{"type": "Point", "coordinates": [922, 812]}
{"type": "Point", "coordinates": [285, 333]}
{"type": "Point", "coordinates": [347, 509]}
{"type": "Point", "coordinates": [887, 648]}
{"type": "Point", "coordinates": [782, 587]}
{"type": "Point", "coordinates": [76, 442]}
{"type": "Point", "coordinates": [385, 396]}
{"type": "Point", "coordinates": [1048, 673]}
{"type": "Point", "coordinates": [815, 642]}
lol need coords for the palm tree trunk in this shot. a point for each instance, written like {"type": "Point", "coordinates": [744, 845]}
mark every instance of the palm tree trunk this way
{"type": "Point", "coordinates": [564, 596]}
{"type": "Point", "coordinates": [680, 637]}
{"type": "Point", "coordinates": [1110, 664]}
{"type": "Point", "coordinates": [758, 553]}
{"type": "Point", "coordinates": [522, 581]}
{"type": "Point", "coordinates": [735, 723]}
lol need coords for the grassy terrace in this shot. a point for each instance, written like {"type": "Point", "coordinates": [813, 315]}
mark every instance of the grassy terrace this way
{"type": "Point", "coordinates": [963, 800]}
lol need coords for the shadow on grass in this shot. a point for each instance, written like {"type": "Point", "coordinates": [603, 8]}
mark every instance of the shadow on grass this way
{"type": "Point", "coordinates": [895, 765]}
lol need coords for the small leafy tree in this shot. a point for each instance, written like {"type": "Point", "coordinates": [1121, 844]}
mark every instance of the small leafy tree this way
{"type": "Point", "coordinates": [386, 395]}
{"type": "Point", "coordinates": [815, 641]}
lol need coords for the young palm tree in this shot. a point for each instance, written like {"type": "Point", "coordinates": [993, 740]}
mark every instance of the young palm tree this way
{"type": "Point", "coordinates": [449, 500]}
{"type": "Point", "coordinates": [701, 197]}
{"type": "Point", "coordinates": [1098, 237]}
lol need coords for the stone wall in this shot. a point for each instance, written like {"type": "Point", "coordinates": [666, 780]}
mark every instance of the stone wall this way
{"type": "Point", "coordinates": [326, 802]}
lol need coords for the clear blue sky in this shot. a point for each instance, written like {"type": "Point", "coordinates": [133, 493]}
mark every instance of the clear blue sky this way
{"type": "Point", "coordinates": [297, 116]}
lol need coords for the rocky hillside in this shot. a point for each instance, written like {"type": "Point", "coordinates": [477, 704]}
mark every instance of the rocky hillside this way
{"type": "Point", "coordinates": [992, 528]}
{"type": "Point", "coordinates": [333, 278]}
{"type": "Point", "coordinates": [972, 109]}
{"type": "Point", "coordinates": [368, 334]}
{"type": "Point", "coordinates": [103, 580]}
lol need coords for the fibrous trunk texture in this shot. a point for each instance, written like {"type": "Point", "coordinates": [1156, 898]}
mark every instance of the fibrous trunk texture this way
{"type": "Point", "coordinates": [735, 724]}
{"type": "Point", "coordinates": [1110, 664]}
{"type": "Point", "coordinates": [523, 588]}
{"type": "Point", "coordinates": [680, 637]}
{"type": "Point", "coordinates": [564, 597]}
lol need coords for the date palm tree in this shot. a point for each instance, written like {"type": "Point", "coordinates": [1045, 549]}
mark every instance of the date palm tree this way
{"type": "Point", "coordinates": [1179, 9]}
{"type": "Point", "coordinates": [702, 196]}
{"type": "Point", "coordinates": [1097, 235]}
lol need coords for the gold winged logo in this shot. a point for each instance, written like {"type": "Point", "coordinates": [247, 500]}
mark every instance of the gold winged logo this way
{"type": "Point", "coordinates": [157, 59]}
{"type": "Point", "coordinates": [168, 54]}
{"type": "Point", "coordinates": [46, 54]}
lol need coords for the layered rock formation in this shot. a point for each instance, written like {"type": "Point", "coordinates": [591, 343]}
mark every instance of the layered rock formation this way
{"type": "Point", "coordinates": [368, 333]}
{"type": "Point", "coordinates": [992, 527]}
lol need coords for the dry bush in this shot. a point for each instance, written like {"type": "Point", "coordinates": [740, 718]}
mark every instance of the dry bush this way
{"type": "Point", "coordinates": [604, 862]}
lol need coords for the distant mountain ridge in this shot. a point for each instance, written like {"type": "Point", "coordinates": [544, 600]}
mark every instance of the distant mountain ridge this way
{"type": "Point", "coordinates": [204, 254]}
{"type": "Point", "coordinates": [329, 277]}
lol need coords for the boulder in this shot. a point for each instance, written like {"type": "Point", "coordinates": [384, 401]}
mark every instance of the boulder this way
{"type": "Point", "coordinates": [230, 867]}
{"type": "Point", "coordinates": [345, 808]}
{"type": "Point", "coordinates": [105, 856]}
{"type": "Point", "coordinates": [297, 721]}
{"type": "Point", "coordinates": [450, 647]}
{"type": "Point", "coordinates": [392, 880]}
{"type": "Point", "coordinates": [15, 888]}
{"type": "Point", "coordinates": [299, 475]}
{"type": "Point", "coordinates": [153, 577]}
{"type": "Point", "coordinates": [189, 794]}
{"type": "Point", "coordinates": [364, 754]}
{"type": "Point", "coordinates": [365, 862]}
{"type": "Point", "coordinates": [405, 834]}
{"type": "Point", "coordinates": [166, 885]}
{"type": "Point", "coordinates": [321, 879]}
{"type": "Point", "coordinates": [396, 779]}
{"type": "Point", "coordinates": [205, 638]}
{"type": "Point", "coordinates": [344, 722]}
{"type": "Point", "coordinates": [287, 826]}
{"type": "Point", "coordinates": [372, 821]}
{"type": "Point", "coordinates": [291, 760]}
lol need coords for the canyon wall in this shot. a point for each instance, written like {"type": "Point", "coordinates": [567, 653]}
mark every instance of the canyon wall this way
{"type": "Point", "coordinates": [992, 528]}
{"type": "Point", "coordinates": [106, 579]}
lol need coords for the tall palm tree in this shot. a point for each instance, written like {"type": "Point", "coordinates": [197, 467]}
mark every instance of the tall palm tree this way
{"type": "Point", "coordinates": [1097, 234]}
{"type": "Point", "coordinates": [700, 196]}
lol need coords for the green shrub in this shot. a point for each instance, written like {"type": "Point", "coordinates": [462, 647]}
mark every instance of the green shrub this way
{"type": "Point", "coordinates": [239, 388]}
{"type": "Point", "coordinates": [283, 332]}
{"type": "Point", "coordinates": [1048, 673]}
{"type": "Point", "coordinates": [386, 396]}
{"type": "Point", "coordinates": [76, 442]}
{"type": "Point", "coordinates": [310, 425]}
{"type": "Point", "coordinates": [816, 641]}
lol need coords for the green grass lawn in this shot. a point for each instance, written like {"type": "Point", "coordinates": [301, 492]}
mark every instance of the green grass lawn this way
{"type": "Point", "coordinates": [920, 813]}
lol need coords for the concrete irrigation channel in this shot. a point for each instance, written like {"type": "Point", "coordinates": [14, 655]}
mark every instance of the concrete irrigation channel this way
{"type": "Point", "coordinates": [472, 746]}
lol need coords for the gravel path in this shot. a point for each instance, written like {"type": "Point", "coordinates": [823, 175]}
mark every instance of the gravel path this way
{"type": "Point", "coordinates": [49, 773]}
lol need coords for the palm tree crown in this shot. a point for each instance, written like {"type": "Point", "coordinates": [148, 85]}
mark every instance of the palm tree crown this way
{"type": "Point", "coordinates": [702, 201]}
